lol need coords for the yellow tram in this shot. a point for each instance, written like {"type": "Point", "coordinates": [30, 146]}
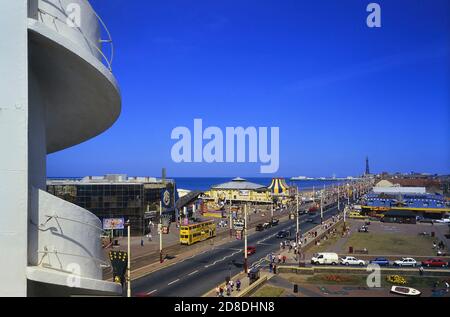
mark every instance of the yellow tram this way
{"type": "Point", "coordinates": [197, 232]}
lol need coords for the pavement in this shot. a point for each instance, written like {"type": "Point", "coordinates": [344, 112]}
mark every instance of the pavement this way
{"type": "Point", "coordinates": [199, 273]}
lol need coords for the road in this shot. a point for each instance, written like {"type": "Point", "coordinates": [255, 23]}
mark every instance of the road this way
{"type": "Point", "coordinates": [196, 275]}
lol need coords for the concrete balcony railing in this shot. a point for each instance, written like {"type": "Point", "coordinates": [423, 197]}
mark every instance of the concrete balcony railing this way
{"type": "Point", "coordinates": [77, 21]}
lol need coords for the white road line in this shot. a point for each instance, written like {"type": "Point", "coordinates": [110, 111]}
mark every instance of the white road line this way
{"type": "Point", "coordinates": [225, 257]}
{"type": "Point", "coordinates": [174, 281]}
{"type": "Point", "coordinates": [193, 272]}
{"type": "Point", "coordinates": [149, 293]}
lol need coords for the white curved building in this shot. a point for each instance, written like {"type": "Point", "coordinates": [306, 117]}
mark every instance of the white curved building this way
{"type": "Point", "coordinates": [57, 90]}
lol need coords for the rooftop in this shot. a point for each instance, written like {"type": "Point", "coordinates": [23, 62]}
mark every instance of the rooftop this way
{"type": "Point", "coordinates": [108, 179]}
{"type": "Point", "coordinates": [239, 183]}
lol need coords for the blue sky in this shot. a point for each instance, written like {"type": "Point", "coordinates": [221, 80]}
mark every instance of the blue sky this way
{"type": "Point", "coordinates": [337, 89]}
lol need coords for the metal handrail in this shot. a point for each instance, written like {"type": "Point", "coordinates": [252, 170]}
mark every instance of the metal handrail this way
{"type": "Point", "coordinates": [69, 219]}
{"type": "Point", "coordinates": [91, 45]}
{"type": "Point", "coordinates": [45, 252]}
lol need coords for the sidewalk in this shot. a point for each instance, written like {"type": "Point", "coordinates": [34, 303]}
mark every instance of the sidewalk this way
{"type": "Point", "coordinates": [310, 238]}
{"type": "Point", "coordinates": [246, 287]}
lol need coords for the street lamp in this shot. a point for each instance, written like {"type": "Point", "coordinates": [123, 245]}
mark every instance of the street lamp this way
{"type": "Point", "coordinates": [245, 239]}
{"type": "Point", "coordinates": [127, 224]}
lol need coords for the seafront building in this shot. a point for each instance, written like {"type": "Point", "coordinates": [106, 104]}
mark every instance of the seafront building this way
{"type": "Point", "coordinates": [238, 190]}
{"type": "Point", "coordinates": [58, 90]}
{"type": "Point", "coordinates": [117, 196]}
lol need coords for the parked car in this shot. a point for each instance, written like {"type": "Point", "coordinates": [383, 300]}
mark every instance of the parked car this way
{"type": "Point", "coordinates": [443, 220]}
{"type": "Point", "coordinates": [266, 225]}
{"type": "Point", "coordinates": [350, 260]}
{"type": "Point", "coordinates": [425, 220]}
{"type": "Point", "coordinates": [325, 258]}
{"type": "Point", "coordinates": [283, 234]}
{"type": "Point", "coordinates": [259, 227]}
{"type": "Point", "coordinates": [251, 250]}
{"type": "Point", "coordinates": [406, 262]}
{"type": "Point", "coordinates": [363, 229]}
{"type": "Point", "coordinates": [274, 222]}
{"type": "Point", "coordinates": [434, 263]}
{"type": "Point", "coordinates": [380, 261]}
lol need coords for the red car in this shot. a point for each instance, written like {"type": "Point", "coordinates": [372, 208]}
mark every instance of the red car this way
{"type": "Point", "coordinates": [251, 250]}
{"type": "Point", "coordinates": [435, 263]}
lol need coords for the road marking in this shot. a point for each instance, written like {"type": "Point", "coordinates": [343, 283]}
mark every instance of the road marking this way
{"type": "Point", "coordinates": [193, 272]}
{"type": "Point", "coordinates": [174, 281]}
{"type": "Point", "coordinates": [225, 257]}
{"type": "Point", "coordinates": [149, 293]}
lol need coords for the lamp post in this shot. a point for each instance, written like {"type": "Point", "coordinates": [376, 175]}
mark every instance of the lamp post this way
{"type": "Point", "coordinates": [231, 220]}
{"type": "Point", "coordinates": [129, 258]}
{"type": "Point", "coordinates": [321, 207]}
{"type": "Point", "coordinates": [298, 222]}
{"type": "Point", "coordinates": [245, 239]}
{"type": "Point", "coordinates": [160, 233]}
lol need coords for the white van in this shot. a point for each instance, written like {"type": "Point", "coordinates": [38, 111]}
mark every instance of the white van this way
{"type": "Point", "coordinates": [325, 258]}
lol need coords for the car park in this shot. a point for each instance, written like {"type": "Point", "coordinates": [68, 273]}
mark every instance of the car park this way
{"type": "Point", "coordinates": [435, 263]}
{"type": "Point", "coordinates": [405, 262]}
{"type": "Point", "coordinates": [350, 260]}
{"type": "Point", "coordinates": [380, 261]}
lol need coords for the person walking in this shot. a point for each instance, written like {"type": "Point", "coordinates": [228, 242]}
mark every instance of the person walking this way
{"type": "Point", "coordinates": [217, 291]}
{"type": "Point", "coordinates": [231, 285]}
{"type": "Point", "coordinates": [142, 242]}
{"type": "Point", "coordinates": [421, 270]}
{"type": "Point", "coordinates": [279, 258]}
{"type": "Point", "coordinates": [270, 267]}
{"type": "Point", "coordinates": [238, 284]}
{"type": "Point", "coordinates": [284, 259]}
{"type": "Point", "coordinates": [228, 290]}
{"type": "Point", "coordinates": [221, 291]}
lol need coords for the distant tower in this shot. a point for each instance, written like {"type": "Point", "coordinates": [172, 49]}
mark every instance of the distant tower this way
{"type": "Point", "coordinates": [367, 166]}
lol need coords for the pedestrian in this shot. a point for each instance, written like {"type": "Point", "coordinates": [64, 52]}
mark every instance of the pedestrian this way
{"type": "Point", "coordinates": [270, 267]}
{"type": "Point", "coordinates": [281, 245]}
{"type": "Point", "coordinates": [279, 258]}
{"type": "Point", "coordinates": [221, 291]}
{"type": "Point", "coordinates": [274, 269]}
{"type": "Point", "coordinates": [149, 237]}
{"type": "Point", "coordinates": [231, 285]}
{"type": "Point", "coordinates": [142, 242]}
{"type": "Point", "coordinates": [284, 259]}
{"type": "Point", "coordinates": [238, 285]}
{"type": "Point", "coordinates": [217, 291]}
{"type": "Point", "coordinates": [447, 286]}
{"type": "Point", "coordinates": [228, 290]}
{"type": "Point", "coordinates": [421, 270]}
{"type": "Point", "coordinates": [290, 248]}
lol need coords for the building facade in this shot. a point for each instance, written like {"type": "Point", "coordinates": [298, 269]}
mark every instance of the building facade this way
{"type": "Point", "coordinates": [117, 196]}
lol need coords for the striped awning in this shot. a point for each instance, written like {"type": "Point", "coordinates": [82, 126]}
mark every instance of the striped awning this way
{"type": "Point", "coordinates": [278, 186]}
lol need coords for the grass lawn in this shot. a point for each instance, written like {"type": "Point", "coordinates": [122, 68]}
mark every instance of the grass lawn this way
{"type": "Point", "coordinates": [325, 245]}
{"type": "Point", "coordinates": [269, 291]}
{"type": "Point", "coordinates": [391, 244]}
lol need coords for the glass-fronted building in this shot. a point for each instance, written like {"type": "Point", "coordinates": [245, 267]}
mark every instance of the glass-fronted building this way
{"type": "Point", "coordinates": [116, 196]}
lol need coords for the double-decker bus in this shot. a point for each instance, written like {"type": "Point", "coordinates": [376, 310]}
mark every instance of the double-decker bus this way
{"type": "Point", "coordinates": [197, 232]}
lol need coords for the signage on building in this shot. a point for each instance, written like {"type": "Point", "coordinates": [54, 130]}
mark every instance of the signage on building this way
{"type": "Point", "coordinates": [165, 198]}
{"type": "Point", "coordinates": [244, 192]}
{"type": "Point", "coordinates": [113, 223]}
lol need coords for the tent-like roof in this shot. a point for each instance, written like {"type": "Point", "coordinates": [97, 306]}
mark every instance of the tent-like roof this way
{"type": "Point", "coordinates": [239, 184]}
{"type": "Point", "coordinates": [278, 186]}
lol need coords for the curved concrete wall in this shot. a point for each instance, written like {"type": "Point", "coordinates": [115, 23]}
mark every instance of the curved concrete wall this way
{"type": "Point", "coordinates": [56, 15]}
{"type": "Point", "coordinates": [72, 239]}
